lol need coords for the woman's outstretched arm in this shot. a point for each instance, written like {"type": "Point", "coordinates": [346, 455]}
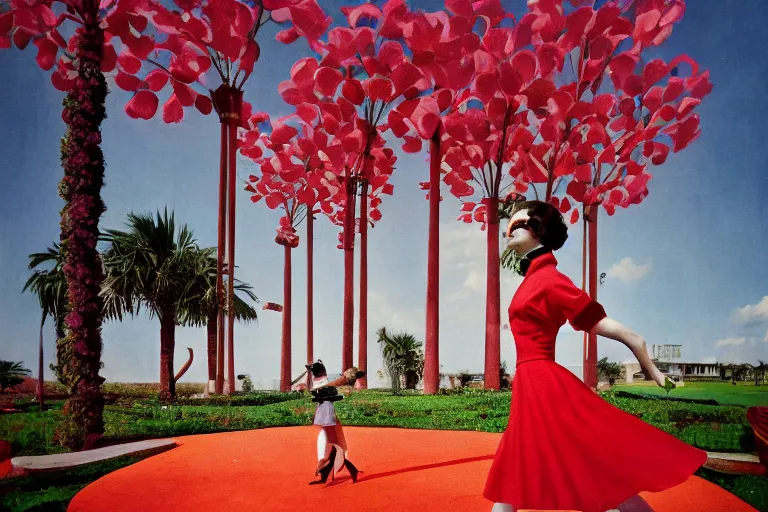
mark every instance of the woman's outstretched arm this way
{"type": "Point", "coordinates": [610, 328]}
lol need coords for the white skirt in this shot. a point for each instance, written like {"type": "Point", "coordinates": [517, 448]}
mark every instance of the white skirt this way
{"type": "Point", "coordinates": [325, 415]}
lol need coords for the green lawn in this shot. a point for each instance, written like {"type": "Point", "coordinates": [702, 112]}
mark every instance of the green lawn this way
{"type": "Point", "coordinates": [744, 394]}
{"type": "Point", "coordinates": [710, 427]}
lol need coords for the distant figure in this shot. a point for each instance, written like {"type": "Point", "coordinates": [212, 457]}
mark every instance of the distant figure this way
{"type": "Point", "coordinates": [565, 448]}
{"type": "Point", "coordinates": [331, 445]}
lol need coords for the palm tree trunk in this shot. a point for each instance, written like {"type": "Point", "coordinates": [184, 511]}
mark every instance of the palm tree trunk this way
{"type": "Point", "coordinates": [493, 296]}
{"type": "Point", "coordinates": [212, 331]}
{"type": "Point", "coordinates": [167, 347]}
{"type": "Point", "coordinates": [349, 275]}
{"type": "Point", "coordinates": [362, 349]}
{"type": "Point", "coordinates": [81, 189]}
{"type": "Point", "coordinates": [40, 381]}
{"type": "Point", "coordinates": [432, 341]}
{"type": "Point", "coordinates": [285, 349]}
{"type": "Point", "coordinates": [310, 286]}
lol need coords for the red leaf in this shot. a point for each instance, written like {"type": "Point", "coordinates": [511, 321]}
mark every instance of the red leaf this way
{"type": "Point", "coordinates": [327, 80]}
{"type": "Point", "coordinates": [405, 76]}
{"type": "Point", "coordinates": [127, 82]}
{"type": "Point", "coordinates": [621, 67]}
{"type": "Point", "coordinates": [583, 173]}
{"type": "Point", "coordinates": [575, 216]}
{"type": "Point", "coordinates": [685, 132]}
{"type": "Point", "coordinates": [203, 104]}
{"type": "Point", "coordinates": [173, 112]}
{"type": "Point", "coordinates": [353, 91]}
{"type": "Point", "coordinates": [156, 79]}
{"type": "Point", "coordinates": [565, 205]}
{"type": "Point", "coordinates": [653, 72]}
{"type": "Point", "coordinates": [46, 53]}
{"type": "Point", "coordinates": [249, 58]}
{"type": "Point", "coordinates": [412, 144]}
{"type": "Point", "coordinates": [129, 63]}
{"type": "Point", "coordinates": [140, 47]}
{"type": "Point", "coordinates": [576, 189]}
{"type": "Point", "coordinates": [21, 38]}
{"type": "Point", "coordinates": [109, 58]}
{"type": "Point", "coordinates": [538, 93]}
{"type": "Point", "coordinates": [686, 106]}
{"type": "Point", "coordinates": [60, 80]}
{"type": "Point", "coordinates": [388, 189]}
{"type": "Point", "coordinates": [379, 88]}
{"type": "Point", "coordinates": [287, 36]}
{"type": "Point", "coordinates": [143, 105]}
{"type": "Point", "coordinates": [185, 94]}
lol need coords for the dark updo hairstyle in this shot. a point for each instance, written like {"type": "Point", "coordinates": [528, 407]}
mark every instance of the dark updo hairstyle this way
{"type": "Point", "coordinates": [546, 223]}
{"type": "Point", "coordinates": [318, 369]}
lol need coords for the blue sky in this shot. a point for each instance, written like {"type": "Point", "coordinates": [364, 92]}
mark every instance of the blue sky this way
{"type": "Point", "coordinates": [686, 266]}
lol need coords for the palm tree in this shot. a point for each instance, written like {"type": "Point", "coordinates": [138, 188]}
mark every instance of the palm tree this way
{"type": "Point", "coordinates": [50, 287]}
{"type": "Point", "coordinates": [12, 374]}
{"type": "Point", "coordinates": [151, 266]}
{"type": "Point", "coordinates": [202, 306]}
{"type": "Point", "coordinates": [403, 357]}
{"type": "Point", "coordinates": [760, 372]}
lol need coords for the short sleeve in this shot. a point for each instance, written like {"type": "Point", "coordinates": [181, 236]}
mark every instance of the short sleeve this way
{"type": "Point", "coordinates": [582, 312]}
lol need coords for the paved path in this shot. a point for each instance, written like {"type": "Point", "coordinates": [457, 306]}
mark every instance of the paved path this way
{"type": "Point", "coordinates": [268, 470]}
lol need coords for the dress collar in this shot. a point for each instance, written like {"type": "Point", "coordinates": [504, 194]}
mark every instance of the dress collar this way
{"type": "Point", "coordinates": [537, 259]}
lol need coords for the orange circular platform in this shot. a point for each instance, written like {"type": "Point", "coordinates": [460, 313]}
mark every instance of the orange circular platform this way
{"type": "Point", "coordinates": [269, 470]}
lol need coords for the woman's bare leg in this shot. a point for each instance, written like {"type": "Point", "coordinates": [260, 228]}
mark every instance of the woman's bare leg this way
{"type": "Point", "coordinates": [502, 507]}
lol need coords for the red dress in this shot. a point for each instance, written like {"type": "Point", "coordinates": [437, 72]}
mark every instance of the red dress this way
{"type": "Point", "coordinates": [564, 446]}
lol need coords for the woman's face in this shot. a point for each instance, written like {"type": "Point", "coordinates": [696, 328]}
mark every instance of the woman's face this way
{"type": "Point", "coordinates": [519, 236]}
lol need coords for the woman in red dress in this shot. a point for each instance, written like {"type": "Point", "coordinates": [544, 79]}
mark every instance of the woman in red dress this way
{"type": "Point", "coordinates": [565, 448]}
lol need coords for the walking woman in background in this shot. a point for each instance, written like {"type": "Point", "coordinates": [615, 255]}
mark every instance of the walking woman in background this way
{"type": "Point", "coordinates": [331, 445]}
{"type": "Point", "coordinates": [564, 446]}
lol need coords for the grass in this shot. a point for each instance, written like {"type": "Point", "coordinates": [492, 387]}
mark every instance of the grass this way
{"type": "Point", "coordinates": [745, 394]}
{"type": "Point", "coordinates": [53, 491]}
{"type": "Point", "coordinates": [710, 427]}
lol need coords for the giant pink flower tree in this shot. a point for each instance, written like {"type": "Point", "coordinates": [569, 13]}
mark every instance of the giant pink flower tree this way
{"type": "Point", "coordinates": [596, 141]}
{"type": "Point", "coordinates": [296, 176]}
{"type": "Point", "coordinates": [199, 44]}
{"type": "Point", "coordinates": [627, 127]}
{"type": "Point", "coordinates": [441, 44]}
{"type": "Point", "coordinates": [361, 73]}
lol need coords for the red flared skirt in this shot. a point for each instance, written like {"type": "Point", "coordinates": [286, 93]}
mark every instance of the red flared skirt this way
{"type": "Point", "coordinates": [565, 448]}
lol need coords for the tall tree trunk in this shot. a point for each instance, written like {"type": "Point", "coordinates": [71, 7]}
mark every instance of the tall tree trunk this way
{"type": "Point", "coordinates": [493, 297]}
{"type": "Point", "coordinates": [585, 345]}
{"type": "Point", "coordinates": [231, 379]}
{"type": "Point", "coordinates": [349, 275]}
{"type": "Point", "coordinates": [167, 347]}
{"type": "Point", "coordinates": [310, 286]}
{"type": "Point", "coordinates": [591, 367]}
{"type": "Point", "coordinates": [212, 331]}
{"type": "Point", "coordinates": [432, 341]}
{"type": "Point", "coordinates": [362, 349]}
{"type": "Point", "coordinates": [81, 189]}
{"type": "Point", "coordinates": [40, 382]}
{"type": "Point", "coordinates": [220, 256]}
{"type": "Point", "coordinates": [285, 349]}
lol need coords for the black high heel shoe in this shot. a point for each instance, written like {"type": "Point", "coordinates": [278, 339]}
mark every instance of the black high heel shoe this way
{"type": "Point", "coordinates": [353, 471]}
{"type": "Point", "coordinates": [325, 471]}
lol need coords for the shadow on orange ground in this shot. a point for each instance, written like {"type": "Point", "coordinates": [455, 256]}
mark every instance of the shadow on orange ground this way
{"type": "Point", "coordinates": [269, 470]}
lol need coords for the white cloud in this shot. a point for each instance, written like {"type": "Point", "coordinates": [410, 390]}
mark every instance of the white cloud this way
{"type": "Point", "coordinates": [753, 312]}
{"type": "Point", "coordinates": [627, 270]}
{"type": "Point", "coordinates": [726, 342]}
{"type": "Point", "coordinates": [709, 360]}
